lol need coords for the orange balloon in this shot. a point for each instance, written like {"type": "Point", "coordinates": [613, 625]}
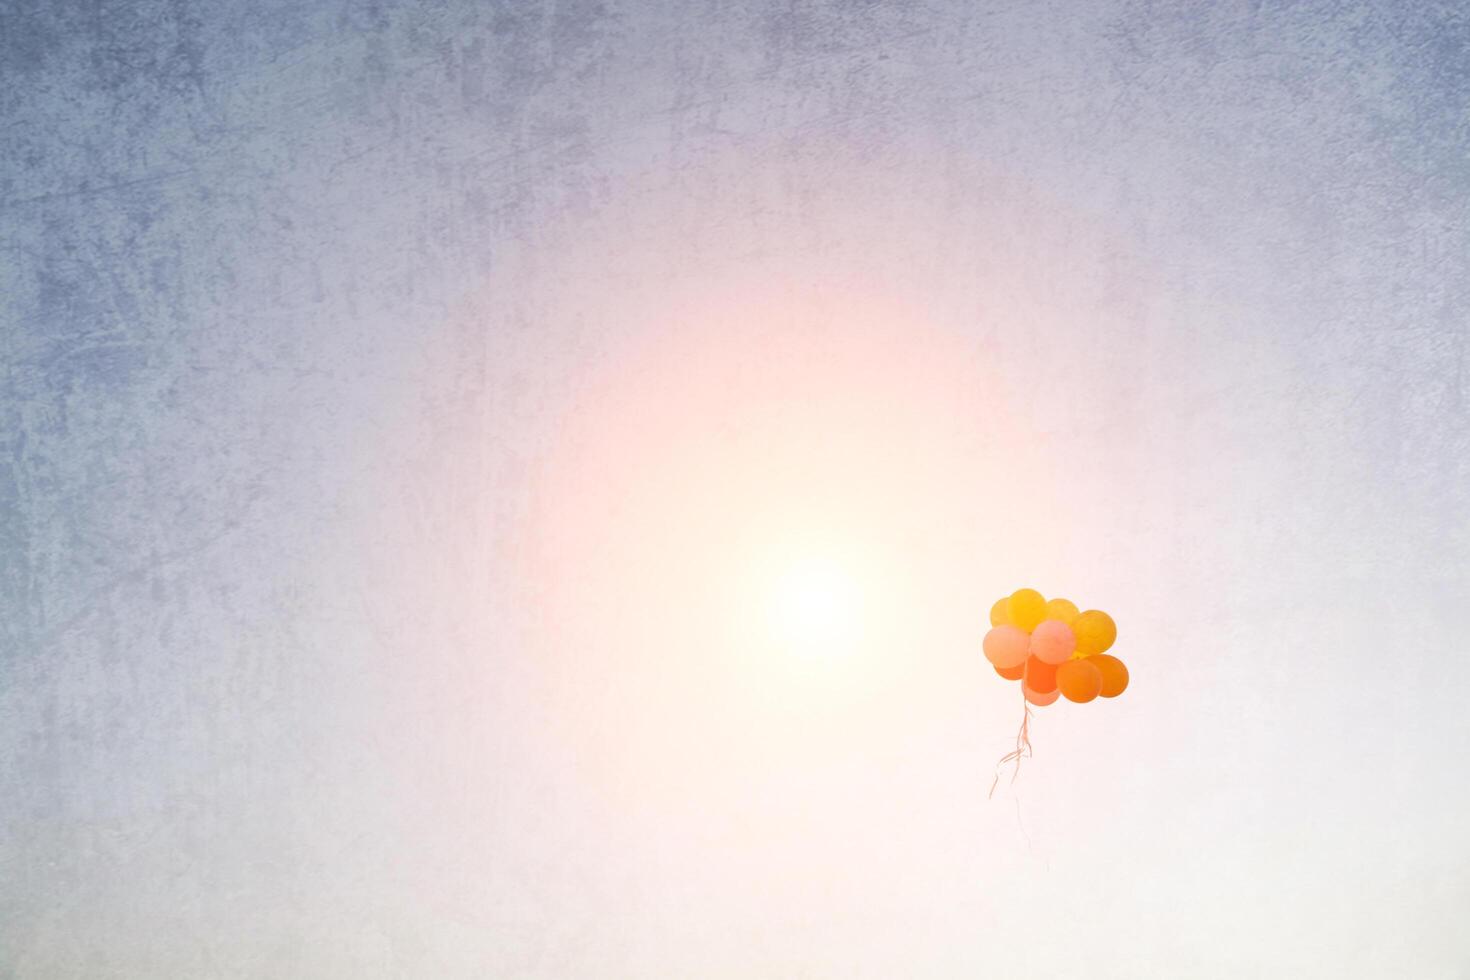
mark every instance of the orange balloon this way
{"type": "Point", "coordinates": [1039, 699]}
{"type": "Point", "coordinates": [1052, 641]}
{"type": "Point", "coordinates": [1095, 632]}
{"type": "Point", "coordinates": [1114, 674]}
{"type": "Point", "coordinates": [1006, 646]}
{"type": "Point", "coordinates": [1079, 680]}
{"type": "Point", "coordinates": [1026, 607]}
{"type": "Point", "coordinates": [1012, 673]}
{"type": "Point", "coordinates": [1000, 613]}
{"type": "Point", "coordinates": [1063, 609]}
{"type": "Point", "coordinates": [1041, 676]}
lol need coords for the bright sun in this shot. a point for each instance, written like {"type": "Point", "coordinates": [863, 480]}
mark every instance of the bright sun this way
{"type": "Point", "coordinates": [816, 607]}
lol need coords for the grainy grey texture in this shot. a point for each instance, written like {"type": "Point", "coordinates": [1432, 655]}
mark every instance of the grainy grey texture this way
{"type": "Point", "coordinates": [297, 298]}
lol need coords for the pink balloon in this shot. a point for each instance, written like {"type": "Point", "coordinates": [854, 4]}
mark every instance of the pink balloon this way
{"type": "Point", "coordinates": [1040, 700]}
{"type": "Point", "coordinates": [1053, 641]}
{"type": "Point", "coordinates": [1005, 646]}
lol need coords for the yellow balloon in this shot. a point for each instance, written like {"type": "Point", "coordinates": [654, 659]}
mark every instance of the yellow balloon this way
{"type": "Point", "coordinates": [1027, 608]}
{"type": "Point", "coordinates": [1000, 613]}
{"type": "Point", "coordinates": [1095, 631]}
{"type": "Point", "coordinates": [1063, 609]}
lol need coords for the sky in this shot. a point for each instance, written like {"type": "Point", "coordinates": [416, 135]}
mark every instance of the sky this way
{"type": "Point", "coordinates": [424, 425]}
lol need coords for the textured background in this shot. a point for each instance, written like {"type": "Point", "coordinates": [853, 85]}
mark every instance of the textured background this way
{"type": "Point", "coordinates": [388, 390]}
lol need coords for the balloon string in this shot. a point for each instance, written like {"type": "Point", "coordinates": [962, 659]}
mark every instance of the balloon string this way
{"type": "Point", "coordinates": [1021, 751]}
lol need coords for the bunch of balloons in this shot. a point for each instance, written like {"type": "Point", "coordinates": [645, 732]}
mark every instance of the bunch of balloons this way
{"type": "Point", "coordinates": [1054, 650]}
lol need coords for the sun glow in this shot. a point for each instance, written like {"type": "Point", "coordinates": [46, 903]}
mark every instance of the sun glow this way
{"type": "Point", "coordinates": [817, 608]}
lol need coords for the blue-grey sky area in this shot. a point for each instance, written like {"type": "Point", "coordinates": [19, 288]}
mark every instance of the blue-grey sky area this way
{"type": "Point", "coordinates": [410, 412]}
